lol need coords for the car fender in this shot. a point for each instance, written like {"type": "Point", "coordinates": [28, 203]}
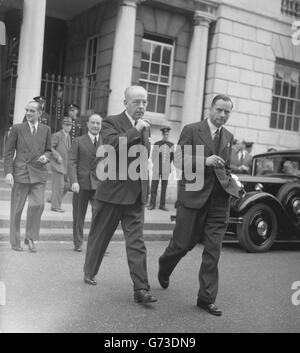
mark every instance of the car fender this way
{"type": "Point", "coordinates": [252, 198]}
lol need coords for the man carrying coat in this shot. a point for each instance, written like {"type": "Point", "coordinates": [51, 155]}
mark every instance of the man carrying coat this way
{"type": "Point", "coordinates": [202, 214]}
{"type": "Point", "coordinates": [26, 154]}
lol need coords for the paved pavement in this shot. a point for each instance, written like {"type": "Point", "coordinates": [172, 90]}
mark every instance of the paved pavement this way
{"type": "Point", "coordinates": [45, 292]}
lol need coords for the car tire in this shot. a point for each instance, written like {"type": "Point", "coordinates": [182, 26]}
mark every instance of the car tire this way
{"type": "Point", "coordinates": [287, 195]}
{"type": "Point", "coordinates": [259, 228]}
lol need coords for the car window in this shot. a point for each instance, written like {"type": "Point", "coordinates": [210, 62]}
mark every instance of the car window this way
{"type": "Point", "coordinates": [274, 164]}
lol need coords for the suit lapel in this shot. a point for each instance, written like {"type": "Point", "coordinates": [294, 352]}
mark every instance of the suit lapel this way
{"type": "Point", "coordinates": [88, 143]}
{"type": "Point", "coordinates": [224, 139]}
{"type": "Point", "coordinates": [125, 123]}
{"type": "Point", "coordinates": [205, 134]}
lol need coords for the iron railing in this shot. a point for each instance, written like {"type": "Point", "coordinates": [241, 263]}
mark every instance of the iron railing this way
{"type": "Point", "coordinates": [60, 91]}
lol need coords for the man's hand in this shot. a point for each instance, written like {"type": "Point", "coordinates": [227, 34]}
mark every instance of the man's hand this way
{"type": "Point", "coordinates": [43, 159]}
{"type": "Point", "coordinates": [214, 161]}
{"type": "Point", "coordinates": [9, 179]}
{"type": "Point", "coordinates": [142, 124]}
{"type": "Point", "coordinates": [75, 187]}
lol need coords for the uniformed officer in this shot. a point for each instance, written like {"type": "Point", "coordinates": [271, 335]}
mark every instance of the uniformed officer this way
{"type": "Point", "coordinates": [162, 157]}
{"type": "Point", "coordinates": [45, 117]}
{"type": "Point", "coordinates": [73, 112]}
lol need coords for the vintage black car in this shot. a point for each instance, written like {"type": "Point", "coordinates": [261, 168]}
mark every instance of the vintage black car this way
{"type": "Point", "coordinates": [269, 205]}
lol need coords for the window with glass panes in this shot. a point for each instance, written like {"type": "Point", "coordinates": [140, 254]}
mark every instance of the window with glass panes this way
{"type": "Point", "coordinates": [286, 97]}
{"type": "Point", "coordinates": [91, 68]}
{"type": "Point", "coordinates": [155, 73]}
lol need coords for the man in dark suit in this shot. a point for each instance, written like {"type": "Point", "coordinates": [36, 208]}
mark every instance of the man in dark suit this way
{"type": "Point", "coordinates": [27, 151]}
{"type": "Point", "coordinates": [162, 157]}
{"type": "Point", "coordinates": [203, 214]}
{"type": "Point", "coordinates": [240, 159]}
{"type": "Point", "coordinates": [61, 144]}
{"type": "Point", "coordinates": [82, 172]}
{"type": "Point", "coordinates": [123, 199]}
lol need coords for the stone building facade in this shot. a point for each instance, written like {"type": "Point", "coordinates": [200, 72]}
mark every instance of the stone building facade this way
{"type": "Point", "coordinates": [183, 51]}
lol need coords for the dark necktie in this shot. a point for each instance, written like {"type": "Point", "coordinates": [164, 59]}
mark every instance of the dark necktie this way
{"type": "Point", "coordinates": [33, 130]}
{"type": "Point", "coordinates": [217, 141]}
{"type": "Point", "coordinates": [95, 141]}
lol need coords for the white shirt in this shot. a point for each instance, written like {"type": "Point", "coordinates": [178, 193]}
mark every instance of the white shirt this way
{"type": "Point", "coordinates": [92, 137]}
{"type": "Point", "coordinates": [31, 126]}
{"type": "Point", "coordinates": [130, 118]}
{"type": "Point", "coordinates": [213, 128]}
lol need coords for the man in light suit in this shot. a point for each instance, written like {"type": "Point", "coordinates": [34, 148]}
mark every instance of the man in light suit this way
{"type": "Point", "coordinates": [82, 172]}
{"type": "Point", "coordinates": [61, 144]}
{"type": "Point", "coordinates": [203, 214]}
{"type": "Point", "coordinates": [26, 154]}
{"type": "Point", "coordinates": [123, 199]}
{"type": "Point", "coordinates": [240, 159]}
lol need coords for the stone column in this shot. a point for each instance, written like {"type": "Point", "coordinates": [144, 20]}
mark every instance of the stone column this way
{"type": "Point", "coordinates": [196, 68]}
{"type": "Point", "coordinates": [122, 60]}
{"type": "Point", "coordinates": [30, 55]}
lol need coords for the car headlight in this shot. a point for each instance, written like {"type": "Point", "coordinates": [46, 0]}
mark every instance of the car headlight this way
{"type": "Point", "coordinates": [258, 187]}
{"type": "Point", "coordinates": [236, 179]}
{"type": "Point", "coordinates": [296, 207]}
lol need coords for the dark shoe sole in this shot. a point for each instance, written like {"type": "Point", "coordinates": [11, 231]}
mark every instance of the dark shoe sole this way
{"type": "Point", "coordinates": [90, 282]}
{"type": "Point", "coordinates": [164, 283]}
{"type": "Point", "coordinates": [143, 301]}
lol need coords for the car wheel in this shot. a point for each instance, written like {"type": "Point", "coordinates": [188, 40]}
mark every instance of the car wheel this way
{"type": "Point", "coordinates": [259, 228]}
{"type": "Point", "coordinates": [289, 196]}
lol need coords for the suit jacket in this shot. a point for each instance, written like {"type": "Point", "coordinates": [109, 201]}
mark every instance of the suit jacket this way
{"type": "Point", "coordinates": [235, 162]}
{"type": "Point", "coordinates": [23, 150]}
{"type": "Point", "coordinates": [61, 144]}
{"type": "Point", "coordinates": [199, 134]}
{"type": "Point", "coordinates": [123, 192]}
{"type": "Point", "coordinates": [82, 162]}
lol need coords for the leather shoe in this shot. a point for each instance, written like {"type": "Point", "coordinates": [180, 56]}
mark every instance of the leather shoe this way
{"type": "Point", "coordinates": [144, 296]}
{"type": "Point", "coordinates": [78, 249]}
{"type": "Point", "coordinates": [163, 281]}
{"type": "Point", "coordinates": [163, 208]}
{"type": "Point", "coordinates": [151, 207]}
{"type": "Point", "coordinates": [90, 280]}
{"type": "Point", "coordinates": [17, 248]}
{"type": "Point", "coordinates": [60, 210]}
{"type": "Point", "coordinates": [210, 308]}
{"type": "Point", "coordinates": [31, 245]}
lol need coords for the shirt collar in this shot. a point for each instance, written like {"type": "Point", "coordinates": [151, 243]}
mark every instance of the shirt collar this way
{"type": "Point", "coordinates": [213, 128]}
{"type": "Point", "coordinates": [92, 137]}
{"type": "Point", "coordinates": [130, 118]}
{"type": "Point", "coordinates": [31, 125]}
